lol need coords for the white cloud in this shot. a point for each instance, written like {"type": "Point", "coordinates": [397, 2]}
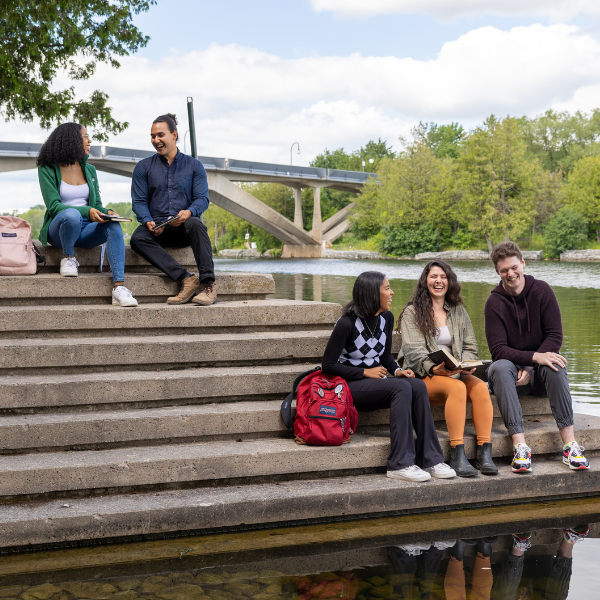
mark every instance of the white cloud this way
{"type": "Point", "coordinates": [253, 105]}
{"type": "Point", "coordinates": [556, 10]}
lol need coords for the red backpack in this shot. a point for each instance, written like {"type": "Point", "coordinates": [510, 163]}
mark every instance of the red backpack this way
{"type": "Point", "coordinates": [325, 413]}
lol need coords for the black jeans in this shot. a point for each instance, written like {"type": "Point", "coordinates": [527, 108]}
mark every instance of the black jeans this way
{"type": "Point", "coordinates": [192, 233]}
{"type": "Point", "coordinates": [502, 377]}
{"type": "Point", "coordinates": [408, 402]}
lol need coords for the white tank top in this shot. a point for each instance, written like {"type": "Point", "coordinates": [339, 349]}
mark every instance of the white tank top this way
{"type": "Point", "coordinates": [443, 339]}
{"type": "Point", "coordinates": [74, 195]}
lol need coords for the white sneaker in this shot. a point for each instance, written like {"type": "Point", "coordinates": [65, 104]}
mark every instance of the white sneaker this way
{"type": "Point", "coordinates": [442, 471]}
{"type": "Point", "coordinates": [415, 549]}
{"type": "Point", "coordinates": [412, 473]}
{"type": "Point", "coordinates": [122, 296]}
{"type": "Point", "coordinates": [68, 267]}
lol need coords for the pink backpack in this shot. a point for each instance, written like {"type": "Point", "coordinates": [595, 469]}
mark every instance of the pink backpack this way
{"type": "Point", "coordinates": [18, 255]}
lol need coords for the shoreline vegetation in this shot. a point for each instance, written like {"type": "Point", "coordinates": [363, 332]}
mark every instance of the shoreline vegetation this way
{"type": "Point", "coordinates": [533, 181]}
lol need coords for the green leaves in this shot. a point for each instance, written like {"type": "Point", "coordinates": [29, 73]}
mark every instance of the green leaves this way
{"type": "Point", "coordinates": [40, 39]}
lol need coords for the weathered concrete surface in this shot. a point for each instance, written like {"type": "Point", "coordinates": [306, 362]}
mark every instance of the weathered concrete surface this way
{"type": "Point", "coordinates": [106, 517]}
{"type": "Point", "coordinates": [160, 425]}
{"type": "Point", "coordinates": [138, 466]}
{"type": "Point", "coordinates": [244, 253]}
{"type": "Point", "coordinates": [301, 251]}
{"type": "Point", "coordinates": [158, 319]}
{"type": "Point", "coordinates": [580, 256]}
{"type": "Point", "coordinates": [181, 386]}
{"type": "Point", "coordinates": [88, 354]}
{"type": "Point", "coordinates": [89, 288]}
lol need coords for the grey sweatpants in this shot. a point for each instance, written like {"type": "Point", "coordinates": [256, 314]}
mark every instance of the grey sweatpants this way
{"type": "Point", "coordinates": [502, 377]}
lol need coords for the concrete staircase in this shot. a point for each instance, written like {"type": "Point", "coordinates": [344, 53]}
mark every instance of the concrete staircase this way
{"type": "Point", "coordinates": [119, 422]}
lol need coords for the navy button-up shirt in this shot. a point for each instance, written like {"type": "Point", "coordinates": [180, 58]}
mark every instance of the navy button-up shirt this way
{"type": "Point", "coordinates": [160, 190]}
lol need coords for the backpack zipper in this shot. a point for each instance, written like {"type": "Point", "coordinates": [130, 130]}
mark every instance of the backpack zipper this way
{"type": "Point", "coordinates": [329, 419]}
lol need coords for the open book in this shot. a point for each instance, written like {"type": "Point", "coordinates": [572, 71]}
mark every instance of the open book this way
{"type": "Point", "coordinates": [116, 218]}
{"type": "Point", "coordinates": [443, 356]}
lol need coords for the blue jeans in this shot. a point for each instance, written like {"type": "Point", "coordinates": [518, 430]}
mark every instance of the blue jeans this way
{"type": "Point", "coordinates": [69, 229]}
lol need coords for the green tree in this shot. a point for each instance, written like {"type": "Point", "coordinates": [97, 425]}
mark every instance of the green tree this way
{"type": "Point", "coordinates": [497, 181]}
{"type": "Point", "coordinates": [35, 217]}
{"type": "Point", "coordinates": [566, 231]}
{"type": "Point", "coordinates": [444, 140]}
{"type": "Point", "coordinates": [560, 139]}
{"type": "Point", "coordinates": [39, 39]}
{"type": "Point", "coordinates": [583, 190]}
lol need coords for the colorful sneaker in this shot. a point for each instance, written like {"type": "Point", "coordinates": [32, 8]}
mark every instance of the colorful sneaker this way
{"type": "Point", "coordinates": [576, 535]}
{"type": "Point", "coordinates": [522, 459]}
{"type": "Point", "coordinates": [573, 456]}
{"type": "Point", "coordinates": [522, 541]}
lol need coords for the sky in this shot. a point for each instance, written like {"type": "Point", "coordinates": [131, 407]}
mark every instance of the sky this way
{"type": "Point", "coordinates": [334, 74]}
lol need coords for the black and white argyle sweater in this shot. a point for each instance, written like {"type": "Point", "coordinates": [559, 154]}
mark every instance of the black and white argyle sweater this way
{"type": "Point", "coordinates": [364, 349]}
{"type": "Point", "coordinates": [352, 348]}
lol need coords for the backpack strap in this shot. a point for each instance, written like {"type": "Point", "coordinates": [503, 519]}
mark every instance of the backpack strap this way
{"type": "Point", "coordinates": [286, 405]}
{"type": "Point", "coordinates": [39, 257]}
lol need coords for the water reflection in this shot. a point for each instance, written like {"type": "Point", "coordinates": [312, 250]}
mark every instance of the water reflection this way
{"type": "Point", "coordinates": [332, 280]}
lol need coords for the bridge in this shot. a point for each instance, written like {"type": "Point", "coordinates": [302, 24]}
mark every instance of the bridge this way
{"type": "Point", "coordinates": [223, 174]}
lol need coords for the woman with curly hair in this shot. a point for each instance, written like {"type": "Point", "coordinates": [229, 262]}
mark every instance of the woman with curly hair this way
{"type": "Point", "coordinates": [436, 318]}
{"type": "Point", "coordinates": [73, 207]}
{"type": "Point", "coordinates": [360, 351]}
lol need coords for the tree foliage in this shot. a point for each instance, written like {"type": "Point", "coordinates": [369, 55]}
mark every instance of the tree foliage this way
{"type": "Point", "coordinates": [40, 39]}
{"type": "Point", "coordinates": [583, 190]}
{"type": "Point", "coordinates": [566, 231]}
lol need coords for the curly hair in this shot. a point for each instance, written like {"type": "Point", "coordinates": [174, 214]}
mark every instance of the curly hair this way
{"type": "Point", "coordinates": [64, 146]}
{"type": "Point", "coordinates": [366, 298]}
{"type": "Point", "coordinates": [505, 250]}
{"type": "Point", "coordinates": [421, 299]}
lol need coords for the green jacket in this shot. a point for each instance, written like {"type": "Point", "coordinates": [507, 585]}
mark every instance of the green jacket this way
{"type": "Point", "coordinates": [416, 347]}
{"type": "Point", "coordinates": [50, 180]}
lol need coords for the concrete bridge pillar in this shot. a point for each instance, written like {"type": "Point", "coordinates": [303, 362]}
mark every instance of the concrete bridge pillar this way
{"type": "Point", "coordinates": [317, 227]}
{"type": "Point", "coordinates": [298, 221]}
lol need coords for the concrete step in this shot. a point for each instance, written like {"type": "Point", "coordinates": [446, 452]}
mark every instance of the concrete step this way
{"type": "Point", "coordinates": [127, 389]}
{"type": "Point", "coordinates": [89, 259]}
{"type": "Point", "coordinates": [104, 518]}
{"type": "Point", "coordinates": [179, 424]}
{"type": "Point", "coordinates": [49, 289]}
{"type": "Point", "coordinates": [241, 316]}
{"type": "Point", "coordinates": [205, 462]}
{"type": "Point", "coordinates": [71, 355]}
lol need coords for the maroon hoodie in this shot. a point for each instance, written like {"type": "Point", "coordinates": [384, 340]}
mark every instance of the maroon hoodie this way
{"type": "Point", "coordinates": [518, 326]}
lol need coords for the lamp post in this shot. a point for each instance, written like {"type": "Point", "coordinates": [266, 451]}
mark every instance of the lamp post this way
{"type": "Point", "coordinates": [371, 161]}
{"type": "Point", "coordinates": [291, 148]}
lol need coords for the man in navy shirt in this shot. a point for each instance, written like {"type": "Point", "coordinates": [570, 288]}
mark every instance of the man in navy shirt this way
{"type": "Point", "coordinates": [171, 184]}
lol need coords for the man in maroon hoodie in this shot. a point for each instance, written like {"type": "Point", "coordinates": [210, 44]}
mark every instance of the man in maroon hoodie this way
{"type": "Point", "coordinates": [523, 328]}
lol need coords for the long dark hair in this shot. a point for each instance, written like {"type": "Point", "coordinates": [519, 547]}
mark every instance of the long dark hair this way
{"type": "Point", "coordinates": [64, 146]}
{"type": "Point", "coordinates": [421, 300]}
{"type": "Point", "coordinates": [366, 298]}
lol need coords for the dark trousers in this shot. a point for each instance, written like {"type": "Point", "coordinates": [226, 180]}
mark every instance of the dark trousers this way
{"type": "Point", "coordinates": [502, 377]}
{"type": "Point", "coordinates": [414, 574]}
{"type": "Point", "coordinates": [408, 402]}
{"type": "Point", "coordinates": [192, 233]}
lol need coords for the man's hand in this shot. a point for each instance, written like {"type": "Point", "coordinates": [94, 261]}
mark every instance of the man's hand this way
{"type": "Point", "coordinates": [184, 215]}
{"type": "Point", "coordinates": [150, 225]}
{"type": "Point", "coordinates": [405, 373]}
{"type": "Point", "coordinates": [95, 217]}
{"type": "Point", "coordinates": [550, 359]}
{"type": "Point", "coordinates": [375, 373]}
{"type": "Point", "coordinates": [524, 376]}
{"type": "Point", "coordinates": [441, 371]}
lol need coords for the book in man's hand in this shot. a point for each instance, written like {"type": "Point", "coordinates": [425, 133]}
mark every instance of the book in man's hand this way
{"type": "Point", "coordinates": [116, 218]}
{"type": "Point", "coordinates": [443, 356]}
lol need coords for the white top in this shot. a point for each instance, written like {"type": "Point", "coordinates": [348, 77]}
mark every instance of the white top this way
{"type": "Point", "coordinates": [74, 195]}
{"type": "Point", "coordinates": [443, 339]}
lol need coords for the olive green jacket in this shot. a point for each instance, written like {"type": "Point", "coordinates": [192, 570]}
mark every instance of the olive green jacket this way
{"type": "Point", "coordinates": [50, 180]}
{"type": "Point", "coordinates": [416, 347]}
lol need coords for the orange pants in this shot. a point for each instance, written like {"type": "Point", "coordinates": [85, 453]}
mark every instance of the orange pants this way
{"type": "Point", "coordinates": [455, 394]}
{"type": "Point", "coordinates": [481, 585]}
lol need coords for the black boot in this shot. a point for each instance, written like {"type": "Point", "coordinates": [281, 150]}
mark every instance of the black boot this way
{"type": "Point", "coordinates": [484, 545]}
{"type": "Point", "coordinates": [458, 550]}
{"type": "Point", "coordinates": [459, 462]}
{"type": "Point", "coordinates": [483, 460]}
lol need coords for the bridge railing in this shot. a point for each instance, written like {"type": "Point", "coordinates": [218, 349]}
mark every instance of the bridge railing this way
{"type": "Point", "coordinates": [25, 149]}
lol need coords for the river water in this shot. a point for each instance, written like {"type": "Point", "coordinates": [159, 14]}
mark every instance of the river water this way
{"type": "Point", "coordinates": [577, 287]}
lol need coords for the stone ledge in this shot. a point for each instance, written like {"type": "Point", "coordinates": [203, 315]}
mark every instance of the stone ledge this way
{"type": "Point", "coordinates": [580, 256]}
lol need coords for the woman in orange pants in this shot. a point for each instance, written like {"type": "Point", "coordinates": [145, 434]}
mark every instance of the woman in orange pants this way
{"type": "Point", "coordinates": [436, 318]}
